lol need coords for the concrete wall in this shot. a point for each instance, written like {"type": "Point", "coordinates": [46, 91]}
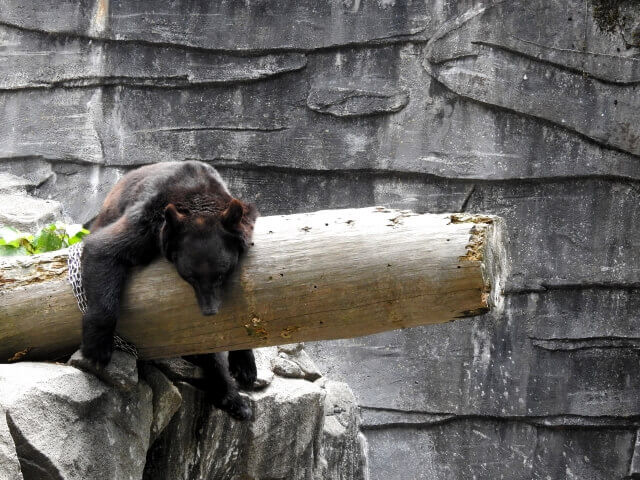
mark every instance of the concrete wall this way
{"type": "Point", "coordinates": [522, 109]}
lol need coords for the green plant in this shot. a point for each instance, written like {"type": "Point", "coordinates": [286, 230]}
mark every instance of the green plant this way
{"type": "Point", "coordinates": [52, 237]}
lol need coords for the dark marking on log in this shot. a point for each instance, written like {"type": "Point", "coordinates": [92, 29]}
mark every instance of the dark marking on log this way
{"type": "Point", "coordinates": [19, 355]}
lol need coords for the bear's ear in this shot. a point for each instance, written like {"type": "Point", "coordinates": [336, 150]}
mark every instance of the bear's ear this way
{"type": "Point", "coordinates": [172, 216]}
{"type": "Point", "coordinates": [250, 212]}
{"type": "Point", "coordinates": [232, 216]}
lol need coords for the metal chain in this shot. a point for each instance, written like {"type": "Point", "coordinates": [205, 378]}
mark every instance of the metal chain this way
{"type": "Point", "coordinates": [75, 275]}
{"type": "Point", "coordinates": [125, 346]}
{"type": "Point", "coordinates": [75, 279]}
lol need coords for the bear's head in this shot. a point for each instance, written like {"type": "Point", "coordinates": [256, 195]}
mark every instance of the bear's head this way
{"type": "Point", "coordinates": [205, 247]}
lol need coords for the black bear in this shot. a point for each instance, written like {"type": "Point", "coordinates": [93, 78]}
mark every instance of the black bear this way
{"type": "Point", "coordinates": [184, 211]}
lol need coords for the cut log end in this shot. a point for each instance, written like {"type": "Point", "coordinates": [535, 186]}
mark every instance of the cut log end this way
{"type": "Point", "coordinates": [488, 245]}
{"type": "Point", "coordinates": [318, 276]}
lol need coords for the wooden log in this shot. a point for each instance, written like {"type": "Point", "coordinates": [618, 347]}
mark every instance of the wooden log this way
{"type": "Point", "coordinates": [323, 275]}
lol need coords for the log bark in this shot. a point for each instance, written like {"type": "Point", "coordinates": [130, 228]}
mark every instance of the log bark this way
{"type": "Point", "coordinates": [316, 276]}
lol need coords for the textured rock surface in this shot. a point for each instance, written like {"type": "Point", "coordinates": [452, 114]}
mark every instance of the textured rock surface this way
{"type": "Point", "coordinates": [283, 441]}
{"type": "Point", "coordinates": [20, 210]}
{"type": "Point", "coordinates": [179, 370]}
{"type": "Point", "coordinates": [461, 448]}
{"type": "Point", "coordinates": [122, 371]}
{"type": "Point", "coordinates": [9, 463]}
{"type": "Point", "coordinates": [356, 101]}
{"type": "Point", "coordinates": [343, 446]}
{"type": "Point", "coordinates": [64, 423]}
{"type": "Point", "coordinates": [293, 362]}
{"type": "Point", "coordinates": [264, 357]}
{"type": "Point", "coordinates": [522, 109]}
{"type": "Point", "coordinates": [12, 184]}
{"type": "Point", "coordinates": [301, 430]}
{"type": "Point", "coordinates": [27, 213]}
{"type": "Point", "coordinates": [166, 399]}
{"type": "Point", "coordinates": [42, 404]}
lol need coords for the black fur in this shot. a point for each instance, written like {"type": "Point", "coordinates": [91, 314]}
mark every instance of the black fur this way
{"type": "Point", "coordinates": [181, 210]}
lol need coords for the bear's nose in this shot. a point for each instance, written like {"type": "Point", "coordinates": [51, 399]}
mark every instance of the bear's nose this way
{"type": "Point", "coordinates": [209, 311]}
{"type": "Point", "coordinates": [209, 305]}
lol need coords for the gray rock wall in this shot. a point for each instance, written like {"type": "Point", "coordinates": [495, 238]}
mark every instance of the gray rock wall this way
{"type": "Point", "coordinates": [523, 109]}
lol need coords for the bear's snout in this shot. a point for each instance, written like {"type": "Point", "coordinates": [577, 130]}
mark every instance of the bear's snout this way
{"type": "Point", "coordinates": [209, 305]}
{"type": "Point", "coordinates": [209, 311]}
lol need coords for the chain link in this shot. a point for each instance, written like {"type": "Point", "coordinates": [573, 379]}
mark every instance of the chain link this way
{"type": "Point", "coordinates": [75, 275]}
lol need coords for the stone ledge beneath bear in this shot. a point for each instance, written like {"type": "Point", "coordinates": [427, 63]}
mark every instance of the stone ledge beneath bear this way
{"type": "Point", "coordinates": [121, 372]}
{"type": "Point", "coordinates": [152, 424]}
{"type": "Point", "coordinates": [66, 424]}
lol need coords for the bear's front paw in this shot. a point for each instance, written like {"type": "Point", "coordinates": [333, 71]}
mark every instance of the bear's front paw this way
{"type": "Point", "coordinates": [236, 406]}
{"type": "Point", "coordinates": [242, 367]}
{"type": "Point", "coordinates": [98, 353]}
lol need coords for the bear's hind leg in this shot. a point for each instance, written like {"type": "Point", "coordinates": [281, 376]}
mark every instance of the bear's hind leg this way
{"type": "Point", "coordinates": [242, 366]}
{"type": "Point", "coordinates": [219, 387]}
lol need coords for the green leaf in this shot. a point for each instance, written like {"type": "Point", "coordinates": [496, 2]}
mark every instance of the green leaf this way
{"type": "Point", "coordinates": [12, 237]}
{"type": "Point", "coordinates": [75, 239]}
{"type": "Point", "coordinates": [51, 237]}
{"type": "Point", "coordinates": [76, 233]}
{"type": "Point", "coordinates": [7, 250]}
{"type": "Point", "coordinates": [48, 239]}
{"type": "Point", "coordinates": [75, 228]}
